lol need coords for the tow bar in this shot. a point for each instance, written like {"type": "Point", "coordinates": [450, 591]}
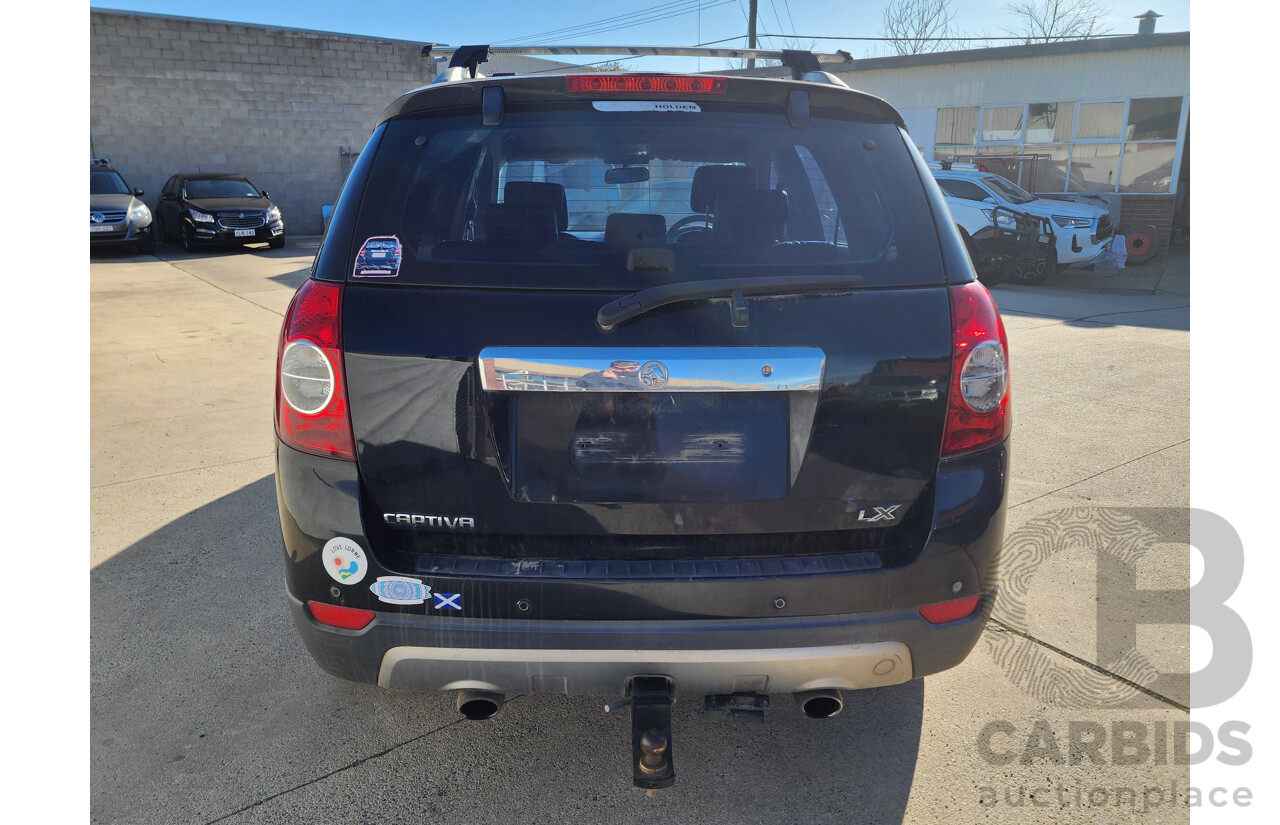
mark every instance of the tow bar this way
{"type": "Point", "coordinates": [650, 701]}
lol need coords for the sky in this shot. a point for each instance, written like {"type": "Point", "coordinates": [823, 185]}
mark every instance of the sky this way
{"type": "Point", "coordinates": [630, 22]}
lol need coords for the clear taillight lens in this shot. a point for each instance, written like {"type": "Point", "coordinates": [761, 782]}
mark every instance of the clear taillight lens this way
{"type": "Point", "coordinates": [984, 377]}
{"type": "Point", "coordinates": [311, 398]}
{"type": "Point", "coordinates": [306, 377]}
{"type": "Point", "coordinates": [978, 406]}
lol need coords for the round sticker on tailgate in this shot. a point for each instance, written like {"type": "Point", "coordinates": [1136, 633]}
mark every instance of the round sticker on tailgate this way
{"type": "Point", "coordinates": [344, 561]}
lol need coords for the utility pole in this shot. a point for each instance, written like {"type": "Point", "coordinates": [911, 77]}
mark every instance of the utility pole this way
{"type": "Point", "coordinates": [751, 34]}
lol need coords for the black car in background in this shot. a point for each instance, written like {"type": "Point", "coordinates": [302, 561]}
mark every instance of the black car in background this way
{"type": "Point", "coordinates": [764, 455]}
{"type": "Point", "coordinates": [117, 216]}
{"type": "Point", "coordinates": [203, 209]}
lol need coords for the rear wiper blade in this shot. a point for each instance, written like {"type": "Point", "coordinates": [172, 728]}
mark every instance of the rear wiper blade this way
{"type": "Point", "coordinates": [638, 303]}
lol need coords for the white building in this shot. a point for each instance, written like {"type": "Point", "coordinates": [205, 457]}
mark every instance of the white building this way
{"type": "Point", "coordinates": [1104, 115]}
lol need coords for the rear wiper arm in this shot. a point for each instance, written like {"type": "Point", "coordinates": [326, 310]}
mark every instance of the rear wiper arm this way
{"type": "Point", "coordinates": [638, 303]}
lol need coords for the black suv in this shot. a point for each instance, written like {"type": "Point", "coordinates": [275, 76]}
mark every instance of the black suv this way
{"type": "Point", "coordinates": [117, 216]}
{"type": "Point", "coordinates": [749, 451]}
{"type": "Point", "coordinates": [200, 209]}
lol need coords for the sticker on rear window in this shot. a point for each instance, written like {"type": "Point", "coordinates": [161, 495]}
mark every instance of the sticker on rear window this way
{"type": "Point", "coordinates": [644, 106]}
{"type": "Point", "coordinates": [379, 257]}
{"type": "Point", "coordinates": [344, 561]}
{"type": "Point", "coordinates": [400, 590]}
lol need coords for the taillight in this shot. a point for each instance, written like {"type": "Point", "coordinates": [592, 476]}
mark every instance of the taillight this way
{"type": "Point", "coordinates": [951, 611]}
{"type": "Point", "coordinates": [311, 398]}
{"type": "Point", "coordinates": [334, 615]}
{"type": "Point", "coordinates": [978, 407]}
{"type": "Point", "coordinates": [646, 84]}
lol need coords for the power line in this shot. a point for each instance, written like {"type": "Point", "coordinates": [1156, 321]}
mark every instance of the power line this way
{"type": "Point", "coordinates": [615, 18]}
{"type": "Point", "coordinates": [651, 14]}
{"type": "Point", "coordinates": [787, 3]}
{"type": "Point", "coordinates": [1020, 39]}
{"type": "Point", "coordinates": [660, 16]}
{"type": "Point", "coordinates": [781, 27]}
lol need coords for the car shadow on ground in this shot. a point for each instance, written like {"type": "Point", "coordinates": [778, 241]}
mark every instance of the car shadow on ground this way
{"type": "Point", "coordinates": [205, 705]}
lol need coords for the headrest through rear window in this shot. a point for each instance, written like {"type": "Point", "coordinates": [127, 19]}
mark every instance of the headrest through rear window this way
{"type": "Point", "coordinates": [535, 195]}
{"type": "Point", "coordinates": [512, 222]}
{"type": "Point", "coordinates": [710, 183]}
{"type": "Point", "coordinates": [629, 230]}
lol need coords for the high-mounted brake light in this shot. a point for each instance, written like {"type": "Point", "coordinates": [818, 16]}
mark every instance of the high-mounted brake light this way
{"type": "Point", "coordinates": [978, 414]}
{"type": "Point", "coordinates": [950, 611]}
{"type": "Point", "coordinates": [334, 615]}
{"type": "Point", "coordinates": [645, 84]}
{"type": "Point", "coordinates": [311, 398]}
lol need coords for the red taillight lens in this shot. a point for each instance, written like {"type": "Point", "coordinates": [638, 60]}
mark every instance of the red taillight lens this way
{"type": "Point", "coordinates": [311, 398]}
{"type": "Point", "coordinates": [978, 406]}
{"type": "Point", "coordinates": [347, 618]}
{"type": "Point", "coordinates": [646, 84]}
{"type": "Point", "coordinates": [950, 611]}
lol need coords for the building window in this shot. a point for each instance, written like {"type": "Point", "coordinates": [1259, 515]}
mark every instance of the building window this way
{"type": "Point", "coordinates": [1147, 167]}
{"type": "Point", "coordinates": [1050, 122]}
{"type": "Point", "coordinates": [1050, 168]}
{"type": "Point", "coordinates": [1154, 118]}
{"type": "Point", "coordinates": [1090, 146]}
{"type": "Point", "coordinates": [957, 127]}
{"type": "Point", "coordinates": [1097, 121]}
{"type": "Point", "coordinates": [1002, 123]}
{"type": "Point", "coordinates": [1095, 167]}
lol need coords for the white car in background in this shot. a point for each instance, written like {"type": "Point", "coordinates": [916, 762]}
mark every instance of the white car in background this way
{"type": "Point", "coordinates": [1082, 232]}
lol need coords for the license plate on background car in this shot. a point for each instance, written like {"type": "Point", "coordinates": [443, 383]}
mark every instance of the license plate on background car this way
{"type": "Point", "coordinates": [103, 228]}
{"type": "Point", "coordinates": [245, 233]}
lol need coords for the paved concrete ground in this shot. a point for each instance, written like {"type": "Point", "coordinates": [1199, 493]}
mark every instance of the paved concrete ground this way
{"type": "Point", "coordinates": [207, 709]}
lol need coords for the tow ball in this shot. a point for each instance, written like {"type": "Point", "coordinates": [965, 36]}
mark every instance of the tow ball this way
{"type": "Point", "coordinates": [650, 700]}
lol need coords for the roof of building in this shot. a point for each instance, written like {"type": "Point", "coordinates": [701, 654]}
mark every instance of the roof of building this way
{"type": "Point", "coordinates": [1016, 52]}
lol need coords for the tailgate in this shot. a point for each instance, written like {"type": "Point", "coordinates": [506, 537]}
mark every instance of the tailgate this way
{"type": "Point", "coordinates": [823, 416]}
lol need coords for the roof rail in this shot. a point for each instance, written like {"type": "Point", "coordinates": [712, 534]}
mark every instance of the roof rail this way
{"type": "Point", "coordinates": [103, 161]}
{"type": "Point", "coordinates": [799, 61]}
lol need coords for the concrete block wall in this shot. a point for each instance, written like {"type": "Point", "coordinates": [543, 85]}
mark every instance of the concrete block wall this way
{"type": "Point", "coordinates": [173, 95]}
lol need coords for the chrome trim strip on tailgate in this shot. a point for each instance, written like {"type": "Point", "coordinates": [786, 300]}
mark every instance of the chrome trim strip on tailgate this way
{"type": "Point", "coordinates": [651, 369]}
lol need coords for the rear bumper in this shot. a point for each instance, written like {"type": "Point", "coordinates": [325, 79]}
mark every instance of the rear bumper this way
{"type": "Point", "coordinates": [822, 625]}
{"type": "Point", "coordinates": [431, 653]}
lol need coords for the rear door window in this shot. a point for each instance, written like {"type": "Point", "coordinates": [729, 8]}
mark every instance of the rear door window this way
{"type": "Point", "coordinates": [557, 199]}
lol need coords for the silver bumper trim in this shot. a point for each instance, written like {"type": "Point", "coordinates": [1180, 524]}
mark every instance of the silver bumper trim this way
{"type": "Point", "coordinates": [606, 672]}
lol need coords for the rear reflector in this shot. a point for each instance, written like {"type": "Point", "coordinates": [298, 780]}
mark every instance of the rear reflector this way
{"type": "Point", "coordinates": [978, 406]}
{"type": "Point", "coordinates": [311, 397]}
{"type": "Point", "coordinates": [347, 618]}
{"type": "Point", "coordinates": [950, 611]}
{"type": "Point", "coordinates": [646, 84]}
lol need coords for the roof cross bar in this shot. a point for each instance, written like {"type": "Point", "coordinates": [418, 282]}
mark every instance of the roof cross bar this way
{"type": "Point", "coordinates": [799, 61]}
{"type": "Point", "coordinates": [469, 56]}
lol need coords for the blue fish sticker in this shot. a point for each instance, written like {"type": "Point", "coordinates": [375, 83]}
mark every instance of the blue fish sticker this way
{"type": "Point", "coordinates": [448, 601]}
{"type": "Point", "coordinates": [400, 590]}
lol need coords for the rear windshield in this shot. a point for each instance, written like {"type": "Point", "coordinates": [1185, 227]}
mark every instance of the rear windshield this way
{"type": "Point", "coordinates": [576, 198]}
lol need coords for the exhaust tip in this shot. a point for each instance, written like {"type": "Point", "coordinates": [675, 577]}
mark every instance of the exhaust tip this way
{"type": "Point", "coordinates": [479, 704]}
{"type": "Point", "coordinates": [820, 704]}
